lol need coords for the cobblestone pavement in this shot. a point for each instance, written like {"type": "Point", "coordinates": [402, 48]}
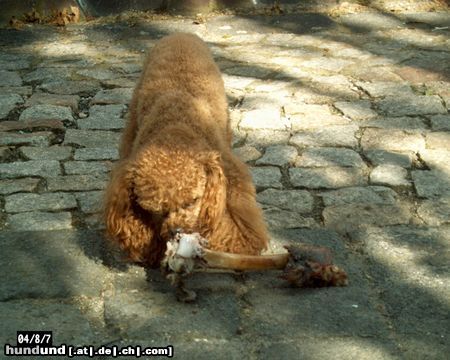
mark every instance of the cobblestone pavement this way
{"type": "Point", "coordinates": [345, 124]}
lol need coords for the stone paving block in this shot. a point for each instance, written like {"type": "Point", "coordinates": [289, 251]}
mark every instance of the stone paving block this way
{"type": "Point", "coordinates": [323, 157]}
{"type": "Point", "coordinates": [10, 78]}
{"type": "Point", "coordinates": [30, 168]}
{"type": "Point", "coordinates": [278, 155]}
{"type": "Point", "coordinates": [51, 265]}
{"type": "Point", "coordinates": [390, 175]}
{"type": "Point", "coordinates": [328, 177]}
{"type": "Point", "coordinates": [438, 140]}
{"type": "Point", "coordinates": [92, 139]}
{"type": "Point", "coordinates": [283, 219]}
{"type": "Point", "coordinates": [68, 87]}
{"type": "Point", "coordinates": [381, 157]}
{"type": "Point", "coordinates": [47, 112]}
{"type": "Point", "coordinates": [54, 152]}
{"type": "Point", "coordinates": [442, 88]}
{"type": "Point", "coordinates": [236, 81]}
{"type": "Point", "coordinates": [247, 153]}
{"type": "Point", "coordinates": [34, 202]}
{"type": "Point", "coordinates": [77, 182]}
{"type": "Point", "coordinates": [8, 102]}
{"type": "Point", "coordinates": [326, 63]}
{"type": "Point", "coordinates": [98, 74]}
{"type": "Point", "coordinates": [392, 140]}
{"type": "Point", "coordinates": [39, 221]}
{"type": "Point", "coordinates": [431, 184]}
{"type": "Point", "coordinates": [300, 201]}
{"type": "Point", "coordinates": [359, 195]}
{"type": "Point", "coordinates": [16, 63]}
{"type": "Point", "coordinates": [113, 96]}
{"type": "Point", "coordinates": [260, 138]}
{"type": "Point", "coordinates": [409, 264]}
{"type": "Point", "coordinates": [395, 123]}
{"type": "Point", "coordinates": [266, 118]}
{"type": "Point", "coordinates": [31, 125]}
{"type": "Point", "coordinates": [39, 138]}
{"type": "Point", "coordinates": [42, 74]}
{"type": "Point", "coordinates": [90, 201]}
{"type": "Point", "coordinates": [18, 185]}
{"type": "Point", "coordinates": [144, 309]}
{"type": "Point", "coordinates": [266, 177]}
{"type": "Point", "coordinates": [20, 90]}
{"type": "Point", "coordinates": [121, 82]}
{"type": "Point", "coordinates": [345, 218]}
{"type": "Point", "coordinates": [436, 159]}
{"type": "Point", "coordinates": [316, 116]}
{"type": "Point", "coordinates": [382, 89]}
{"type": "Point", "coordinates": [104, 118]}
{"type": "Point", "coordinates": [356, 110]}
{"type": "Point", "coordinates": [86, 167]}
{"type": "Point", "coordinates": [440, 122]}
{"type": "Point", "coordinates": [435, 212]}
{"type": "Point", "coordinates": [68, 323]}
{"type": "Point", "coordinates": [96, 154]}
{"type": "Point", "coordinates": [54, 99]}
{"type": "Point", "coordinates": [341, 136]}
{"type": "Point", "coordinates": [412, 105]}
{"type": "Point", "coordinates": [373, 74]}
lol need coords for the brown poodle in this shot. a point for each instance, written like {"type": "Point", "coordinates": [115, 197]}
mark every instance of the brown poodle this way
{"type": "Point", "coordinates": [176, 167]}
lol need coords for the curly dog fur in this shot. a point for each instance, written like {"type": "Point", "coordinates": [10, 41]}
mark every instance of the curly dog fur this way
{"type": "Point", "coordinates": [176, 167]}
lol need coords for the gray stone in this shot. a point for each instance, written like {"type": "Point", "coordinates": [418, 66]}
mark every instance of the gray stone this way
{"type": "Point", "coordinates": [85, 167]}
{"type": "Point", "coordinates": [267, 137]}
{"type": "Point", "coordinates": [55, 152]}
{"type": "Point", "coordinates": [323, 157]}
{"type": "Point", "coordinates": [96, 154]}
{"type": "Point", "coordinates": [356, 110]}
{"type": "Point", "coordinates": [435, 212]}
{"type": "Point", "coordinates": [391, 175]}
{"type": "Point", "coordinates": [373, 74]}
{"type": "Point", "coordinates": [54, 99]}
{"type": "Point", "coordinates": [328, 178]}
{"type": "Point", "coordinates": [392, 140]}
{"type": "Point", "coordinates": [442, 88]}
{"type": "Point", "coordinates": [316, 116]}
{"type": "Point", "coordinates": [18, 185]}
{"type": "Point", "coordinates": [436, 159]}
{"type": "Point", "coordinates": [45, 202]}
{"type": "Point", "coordinates": [349, 217]}
{"type": "Point", "coordinates": [98, 74]}
{"type": "Point", "coordinates": [91, 201]}
{"type": "Point", "coordinates": [93, 139]}
{"type": "Point", "coordinates": [10, 78]}
{"type": "Point", "coordinates": [412, 105]}
{"type": "Point", "coordinates": [282, 219]}
{"type": "Point", "coordinates": [67, 87]}
{"type": "Point", "coordinates": [121, 82]}
{"type": "Point", "coordinates": [381, 157]}
{"type": "Point", "coordinates": [14, 64]}
{"type": "Point", "coordinates": [359, 195]}
{"type": "Point", "coordinates": [30, 168]}
{"type": "Point", "coordinates": [430, 184]}
{"type": "Point", "coordinates": [278, 155]}
{"type": "Point", "coordinates": [395, 123]}
{"type": "Point", "coordinates": [51, 267]}
{"type": "Point", "coordinates": [47, 112]}
{"type": "Point", "coordinates": [341, 136]}
{"type": "Point", "coordinates": [113, 96]}
{"type": "Point", "coordinates": [382, 89]}
{"type": "Point", "coordinates": [266, 118]}
{"type": "Point", "coordinates": [299, 201]}
{"type": "Point", "coordinates": [77, 182]}
{"type": "Point", "coordinates": [129, 68]}
{"type": "Point", "coordinates": [325, 63]}
{"type": "Point", "coordinates": [19, 90]}
{"type": "Point", "coordinates": [409, 264]}
{"type": "Point", "coordinates": [45, 74]}
{"type": "Point", "coordinates": [370, 21]}
{"type": "Point", "coordinates": [440, 122]}
{"type": "Point", "coordinates": [103, 117]}
{"type": "Point", "coordinates": [438, 140]}
{"type": "Point", "coordinates": [247, 153]}
{"type": "Point", "coordinates": [237, 82]}
{"type": "Point", "coordinates": [8, 102]}
{"type": "Point", "coordinates": [261, 100]}
{"type": "Point", "coordinates": [39, 221]}
{"type": "Point", "coordinates": [266, 177]}
{"type": "Point", "coordinates": [39, 138]}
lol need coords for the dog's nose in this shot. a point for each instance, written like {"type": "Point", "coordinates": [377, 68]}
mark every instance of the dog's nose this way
{"type": "Point", "coordinates": [176, 231]}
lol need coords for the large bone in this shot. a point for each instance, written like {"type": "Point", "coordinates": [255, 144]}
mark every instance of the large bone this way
{"type": "Point", "coordinates": [303, 265]}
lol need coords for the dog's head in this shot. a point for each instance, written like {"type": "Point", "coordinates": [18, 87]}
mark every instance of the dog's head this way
{"type": "Point", "coordinates": [185, 188]}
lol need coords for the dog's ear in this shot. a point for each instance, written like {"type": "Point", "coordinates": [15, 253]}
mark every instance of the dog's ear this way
{"type": "Point", "coordinates": [125, 220]}
{"type": "Point", "coordinates": [214, 197]}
